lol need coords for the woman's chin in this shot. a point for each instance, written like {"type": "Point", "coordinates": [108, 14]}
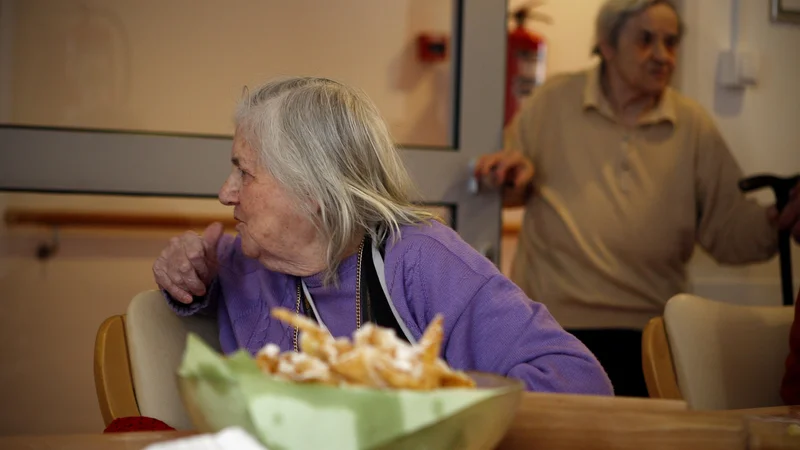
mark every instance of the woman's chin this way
{"type": "Point", "coordinates": [248, 248]}
{"type": "Point", "coordinates": [657, 84]}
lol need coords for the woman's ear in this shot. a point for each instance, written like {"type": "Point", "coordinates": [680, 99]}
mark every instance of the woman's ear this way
{"type": "Point", "coordinates": [607, 50]}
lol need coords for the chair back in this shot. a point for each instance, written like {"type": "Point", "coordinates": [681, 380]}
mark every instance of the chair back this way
{"type": "Point", "coordinates": [152, 347]}
{"type": "Point", "coordinates": [724, 356]}
{"type": "Point", "coordinates": [659, 371]}
{"type": "Point", "coordinates": [112, 371]}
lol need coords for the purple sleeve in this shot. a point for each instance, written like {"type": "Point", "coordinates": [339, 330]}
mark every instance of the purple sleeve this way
{"type": "Point", "coordinates": [491, 325]}
{"type": "Point", "coordinates": [500, 330]}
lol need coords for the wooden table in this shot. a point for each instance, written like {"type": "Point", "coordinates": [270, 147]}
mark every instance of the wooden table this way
{"type": "Point", "coordinates": [110, 441]}
{"type": "Point", "coordinates": [556, 422]}
{"type": "Point", "coordinates": [543, 422]}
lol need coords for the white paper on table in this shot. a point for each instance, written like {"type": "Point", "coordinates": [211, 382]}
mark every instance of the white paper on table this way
{"type": "Point", "coordinates": [232, 438]}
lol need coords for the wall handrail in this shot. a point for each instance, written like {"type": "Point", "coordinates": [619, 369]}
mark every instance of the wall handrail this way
{"type": "Point", "coordinates": [16, 216]}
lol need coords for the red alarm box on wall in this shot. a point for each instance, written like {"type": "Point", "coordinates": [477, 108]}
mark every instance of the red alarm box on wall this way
{"type": "Point", "coordinates": [432, 47]}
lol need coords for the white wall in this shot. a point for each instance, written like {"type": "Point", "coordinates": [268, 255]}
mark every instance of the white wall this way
{"type": "Point", "coordinates": [760, 124]}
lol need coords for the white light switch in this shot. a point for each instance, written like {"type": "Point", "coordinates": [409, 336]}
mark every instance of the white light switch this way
{"type": "Point", "coordinates": [737, 69]}
{"type": "Point", "coordinates": [748, 68]}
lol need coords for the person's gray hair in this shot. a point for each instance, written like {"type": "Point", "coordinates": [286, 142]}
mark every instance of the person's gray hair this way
{"type": "Point", "coordinates": [615, 13]}
{"type": "Point", "coordinates": [327, 142]}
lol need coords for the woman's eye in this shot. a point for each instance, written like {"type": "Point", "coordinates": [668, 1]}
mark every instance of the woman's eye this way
{"type": "Point", "coordinates": [646, 39]}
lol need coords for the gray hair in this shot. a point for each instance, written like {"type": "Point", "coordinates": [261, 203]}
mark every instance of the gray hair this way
{"type": "Point", "coordinates": [325, 141]}
{"type": "Point", "coordinates": [615, 13]}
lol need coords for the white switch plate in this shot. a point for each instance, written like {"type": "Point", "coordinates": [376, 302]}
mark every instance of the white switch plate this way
{"type": "Point", "coordinates": [738, 69]}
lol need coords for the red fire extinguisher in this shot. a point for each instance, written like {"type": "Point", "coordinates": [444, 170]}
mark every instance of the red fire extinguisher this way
{"type": "Point", "coordinates": [524, 61]}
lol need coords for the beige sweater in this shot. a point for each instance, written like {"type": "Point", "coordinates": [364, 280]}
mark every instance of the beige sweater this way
{"type": "Point", "coordinates": [617, 210]}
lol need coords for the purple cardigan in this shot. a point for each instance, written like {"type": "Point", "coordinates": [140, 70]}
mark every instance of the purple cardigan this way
{"type": "Point", "coordinates": [489, 323]}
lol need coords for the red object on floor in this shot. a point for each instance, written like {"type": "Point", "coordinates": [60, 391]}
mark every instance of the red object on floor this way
{"type": "Point", "coordinates": [126, 424]}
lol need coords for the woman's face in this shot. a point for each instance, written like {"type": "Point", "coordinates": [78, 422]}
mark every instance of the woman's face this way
{"type": "Point", "coordinates": [272, 227]}
{"type": "Point", "coordinates": [646, 50]}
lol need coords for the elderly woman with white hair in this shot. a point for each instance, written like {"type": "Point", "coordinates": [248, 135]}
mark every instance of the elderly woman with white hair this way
{"type": "Point", "coordinates": [621, 176]}
{"type": "Point", "coordinates": [326, 227]}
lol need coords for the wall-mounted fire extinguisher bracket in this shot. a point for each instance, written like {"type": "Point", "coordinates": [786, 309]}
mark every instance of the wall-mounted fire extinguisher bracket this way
{"type": "Point", "coordinates": [432, 47]}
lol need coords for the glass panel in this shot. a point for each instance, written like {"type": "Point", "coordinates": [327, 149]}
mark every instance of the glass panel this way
{"type": "Point", "coordinates": [179, 66]}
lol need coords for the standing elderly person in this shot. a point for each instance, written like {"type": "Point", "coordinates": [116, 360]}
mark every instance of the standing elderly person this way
{"type": "Point", "coordinates": [326, 228]}
{"type": "Point", "coordinates": [621, 176]}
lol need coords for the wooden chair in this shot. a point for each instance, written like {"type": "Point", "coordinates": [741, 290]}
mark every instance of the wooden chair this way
{"type": "Point", "coordinates": [112, 371]}
{"type": "Point", "coordinates": [136, 358]}
{"type": "Point", "coordinates": [659, 372]}
{"type": "Point", "coordinates": [717, 355]}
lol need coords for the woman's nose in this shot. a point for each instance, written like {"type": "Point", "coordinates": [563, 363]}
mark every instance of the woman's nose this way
{"type": "Point", "coordinates": [229, 194]}
{"type": "Point", "coordinates": [660, 52]}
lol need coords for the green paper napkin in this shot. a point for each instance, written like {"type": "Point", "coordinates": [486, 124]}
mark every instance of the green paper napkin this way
{"type": "Point", "coordinates": [221, 392]}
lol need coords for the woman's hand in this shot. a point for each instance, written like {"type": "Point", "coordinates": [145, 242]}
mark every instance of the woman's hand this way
{"type": "Point", "coordinates": [189, 263]}
{"type": "Point", "coordinates": [510, 170]}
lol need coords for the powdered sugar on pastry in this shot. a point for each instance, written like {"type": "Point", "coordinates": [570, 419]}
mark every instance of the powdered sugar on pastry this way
{"type": "Point", "coordinates": [270, 351]}
{"type": "Point", "coordinates": [376, 358]}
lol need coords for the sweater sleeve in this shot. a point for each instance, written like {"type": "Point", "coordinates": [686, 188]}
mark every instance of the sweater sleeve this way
{"type": "Point", "coordinates": [505, 332]}
{"type": "Point", "coordinates": [205, 305]}
{"type": "Point", "coordinates": [731, 227]}
{"type": "Point", "coordinates": [491, 326]}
